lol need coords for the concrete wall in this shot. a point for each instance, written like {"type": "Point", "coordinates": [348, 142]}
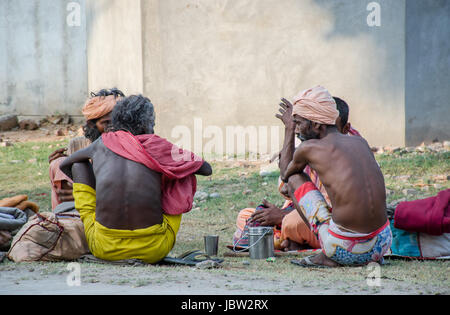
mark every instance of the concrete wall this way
{"type": "Point", "coordinates": [230, 61]}
{"type": "Point", "coordinates": [427, 71]}
{"type": "Point", "coordinates": [43, 66]}
{"type": "Point", "coordinates": [114, 50]}
{"type": "Point", "coordinates": [219, 63]}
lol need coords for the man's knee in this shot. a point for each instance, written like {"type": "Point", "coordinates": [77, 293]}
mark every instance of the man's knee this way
{"type": "Point", "coordinates": [297, 180]}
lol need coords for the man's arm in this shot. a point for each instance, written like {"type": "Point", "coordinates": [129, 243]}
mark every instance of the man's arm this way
{"type": "Point", "coordinates": [78, 157]}
{"type": "Point", "coordinates": [205, 169]}
{"type": "Point", "coordinates": [298, 163]}
{"type": "Point", "coordinates": [288, 149]}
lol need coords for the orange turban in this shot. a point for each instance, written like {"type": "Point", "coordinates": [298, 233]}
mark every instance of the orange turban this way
{"type": "Point", "coordinates": [99, 106]}
{"type": "Point", "coordinates": [317, 105]}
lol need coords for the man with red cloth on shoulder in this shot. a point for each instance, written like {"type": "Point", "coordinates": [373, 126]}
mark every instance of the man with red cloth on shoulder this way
{"type": "Point", "coordinates": [131, 198]}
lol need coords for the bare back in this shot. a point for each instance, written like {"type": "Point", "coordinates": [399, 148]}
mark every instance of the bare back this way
{"type": "Point", "coordinates": [354, 182]}
{"type": "Point", "coordinates": [128, 193]}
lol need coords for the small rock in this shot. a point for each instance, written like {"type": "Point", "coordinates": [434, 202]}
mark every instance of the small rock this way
{"type": "Point", "coordinates": [56, 120]}
{"type": "Point", "coordinates": [201, 195]}
{"type": "Point", "coordinates": [246, 263]}
{"type": "Point", "coordinates": [8, 122]}
{"type": "Point", "coordinates": [214, 195]}
{"type": "Point", "coordinates": [420, 149]}
{"type": "Point", "coordinates": [390, 149]}
{"type": "Point", "coordinates": [264, 184]}
{"type": "Point", "coordinates": [28, 124]}
{"type": "Point", "coordinates": [247, 192]}
{"type": "Point", "coordinates": [207, 264]}
{"type": "Point", "coordinates": [32, 160]}
{"type": "Point", "coordinates": [36, 147]}
{"type": "Point", "coordinates": [440, 177]}
{"type": "Point", "coordinates": [60, 132]}
{"type": "Point", "coordinates": [16, 161]}
{"type": "Point", "coordinates": [409, 191]}
{"type": "Point", "coordinates": [389, 192]}
{"type": "Point", "coordinates": [66, 119]}
{"type": "Point", "coordinates": [446, 144]}
{"type": "Point", "coordinates": [438, 186]}
{"type": "Point", "coordinates": [6, 144]}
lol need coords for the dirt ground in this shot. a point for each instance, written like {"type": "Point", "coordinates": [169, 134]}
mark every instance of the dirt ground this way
{"type": "Point", "coordinates": [45, 133]}
{"type": "Point", "coordinates": [55, 278]}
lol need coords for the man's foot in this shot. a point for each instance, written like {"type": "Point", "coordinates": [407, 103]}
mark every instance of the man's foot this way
{"type": "Point", "coordinates": [316, 261]}
{"type": "Point", "coordinates": [288, 245]}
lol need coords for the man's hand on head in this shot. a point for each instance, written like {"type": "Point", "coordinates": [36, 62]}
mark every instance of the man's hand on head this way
{"type": "Point", "coordinates": [57, 154]}
{"type": "Point", "coordinates": [270, 216]}
{"type": "Point", "coordinates": [286, 114]}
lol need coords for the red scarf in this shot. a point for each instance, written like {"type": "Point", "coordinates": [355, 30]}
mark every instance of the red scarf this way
{"type": "Point", "coordinates": [178, 182]}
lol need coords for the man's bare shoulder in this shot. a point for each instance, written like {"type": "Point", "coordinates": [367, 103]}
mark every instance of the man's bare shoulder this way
{"type": "Point", "coordinates": [310, 145]}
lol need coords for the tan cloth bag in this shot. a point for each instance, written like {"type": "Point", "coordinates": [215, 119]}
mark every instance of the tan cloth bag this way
{"type": "Point", "coordinates": [50, 237]}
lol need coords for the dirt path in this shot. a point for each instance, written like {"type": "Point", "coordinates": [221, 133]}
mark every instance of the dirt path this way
{"type": "Point", "coordinates": [52, 278]}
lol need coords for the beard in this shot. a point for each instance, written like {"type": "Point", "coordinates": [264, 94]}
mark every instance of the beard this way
{"type": "Point", "coordinates": [310, 135]}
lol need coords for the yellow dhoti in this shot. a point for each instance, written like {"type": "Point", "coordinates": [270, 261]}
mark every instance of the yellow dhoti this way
{"type": "Point", "coordinates": [151, 244]}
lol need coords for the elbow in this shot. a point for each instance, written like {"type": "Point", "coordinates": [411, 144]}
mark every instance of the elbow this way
{"type": "Point", "coordinates": [208, 170]}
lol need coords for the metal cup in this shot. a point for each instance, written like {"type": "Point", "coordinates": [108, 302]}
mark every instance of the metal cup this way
{"type": "Point", "coordinates": [261, 242]}
{"type": "Point", "coordinates": [211, 244]}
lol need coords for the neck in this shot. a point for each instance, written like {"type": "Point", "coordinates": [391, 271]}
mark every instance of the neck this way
{"type": "Point", "coordinates": [326, 130]}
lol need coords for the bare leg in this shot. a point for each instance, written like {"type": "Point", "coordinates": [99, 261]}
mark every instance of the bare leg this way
{"type": "Point", "coordinates": [288, 245]}
{"type": "Point", "coordinates": [295, 181]}
{"type": "Point", "coordinates": [83, 174]}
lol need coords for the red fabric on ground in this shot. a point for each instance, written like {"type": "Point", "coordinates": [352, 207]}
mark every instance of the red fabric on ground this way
{"type": "Point", "coordinates": [430, 215]}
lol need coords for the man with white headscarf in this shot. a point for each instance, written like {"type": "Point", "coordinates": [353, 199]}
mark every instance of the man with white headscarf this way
{"type": "Point", "coordinates": [356, 230]}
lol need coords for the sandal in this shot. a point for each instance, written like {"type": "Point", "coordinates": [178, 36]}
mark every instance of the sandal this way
{"type": "Point", "coordinates": [190, 258]}
{"type": "Point", "coordinates": [306, 262]}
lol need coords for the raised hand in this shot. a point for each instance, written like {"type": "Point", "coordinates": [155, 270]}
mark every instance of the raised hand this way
{"type": "Point", "coordinates": [286, 113]}
{"type": "Point", "coordinates": [57, 154]}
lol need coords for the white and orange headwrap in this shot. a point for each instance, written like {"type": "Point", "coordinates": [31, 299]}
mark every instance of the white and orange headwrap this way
{"type": "Point", "coordinates": [317, 105]}
{"type": "Point", "coordinates": [99, 106]}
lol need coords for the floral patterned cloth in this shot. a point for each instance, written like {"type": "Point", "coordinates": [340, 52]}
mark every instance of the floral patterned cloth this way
{"type": "Point", "coordinates": [345, 248]}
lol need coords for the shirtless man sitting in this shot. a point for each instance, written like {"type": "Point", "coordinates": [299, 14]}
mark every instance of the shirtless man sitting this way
{"type": "Point", "coordinates": [356, 231]}
{"type": "Point", "coordinates": [124, 201]}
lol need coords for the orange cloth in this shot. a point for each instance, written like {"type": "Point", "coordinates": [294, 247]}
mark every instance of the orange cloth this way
{"type": "Point", "coordinates": [295, 229]}
{"type": "Point", "coordinates": [316, 104]}
{"type": "Point", "coordinates": [292, 227]}
{"type": "Point", "coordinates": [56, 177]}
{"type": "Point", "coordinates": [99, 106]}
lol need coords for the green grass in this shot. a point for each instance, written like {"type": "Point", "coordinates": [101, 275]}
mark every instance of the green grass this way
{"type": "Point", "coordinates": [24, 170]}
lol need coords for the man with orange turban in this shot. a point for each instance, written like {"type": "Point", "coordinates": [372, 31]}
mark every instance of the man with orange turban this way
{"type": "Point", "coordinates": [355, 231]}
{"type": "Point", "coordinates": [97, 111]}
{"type": "Point", "coordinates": [290, 232]}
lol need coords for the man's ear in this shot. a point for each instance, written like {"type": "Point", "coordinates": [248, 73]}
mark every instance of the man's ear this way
{"type": "Point", "coordinates": [316, 126]}
{"type": "Point", "coordinates": [346, 128]}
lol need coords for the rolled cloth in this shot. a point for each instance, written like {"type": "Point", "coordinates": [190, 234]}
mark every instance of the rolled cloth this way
{"type": "Point", "coordinates": [317, 105]}
{"type": "Point", "coordinates": [99, 106]}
